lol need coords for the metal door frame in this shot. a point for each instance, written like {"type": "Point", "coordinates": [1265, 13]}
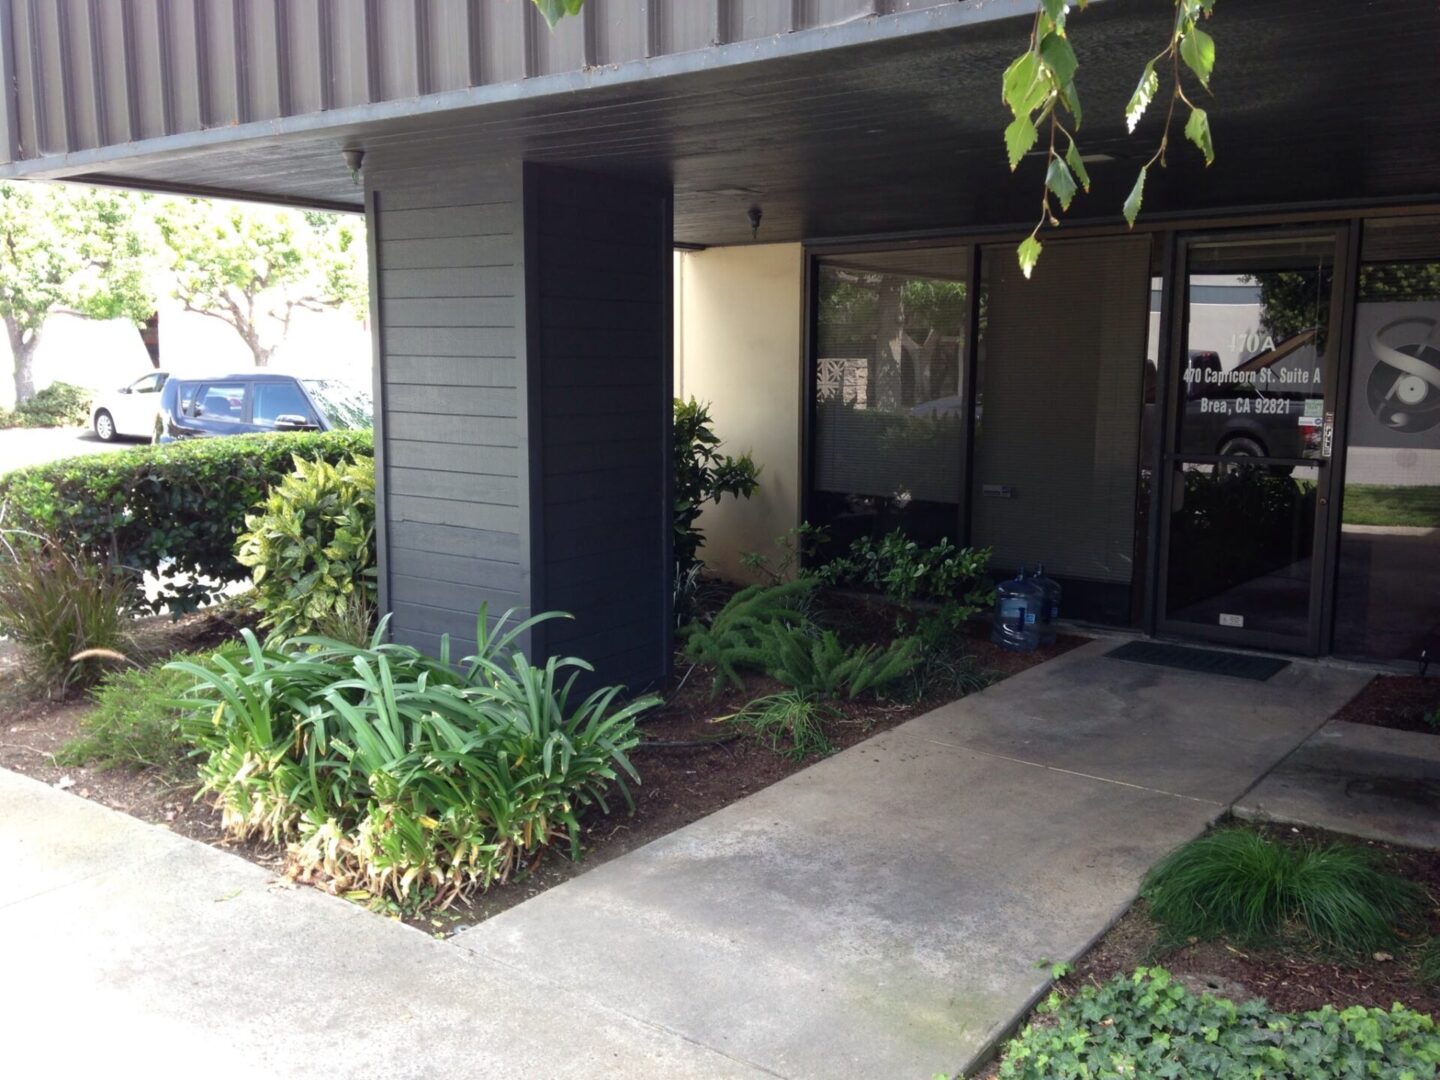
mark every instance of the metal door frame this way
{"type": "Point", "coordinates": [1319, 630]}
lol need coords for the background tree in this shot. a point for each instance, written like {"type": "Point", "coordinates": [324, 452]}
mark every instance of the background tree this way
{"type": "Point", "coordinates": [65, 248]}
{"type": "Point", "coordinates": [253, 267]}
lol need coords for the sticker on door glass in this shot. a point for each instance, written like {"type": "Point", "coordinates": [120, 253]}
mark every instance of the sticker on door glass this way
{"type": "Point", "coordinates": [1232, 620]}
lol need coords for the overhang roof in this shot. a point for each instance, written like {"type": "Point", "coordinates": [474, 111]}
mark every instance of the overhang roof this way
{"type": "Point", "coordinates": [863, 128]}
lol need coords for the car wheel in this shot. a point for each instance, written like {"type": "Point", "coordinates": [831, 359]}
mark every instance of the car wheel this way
{"type": "Point", "coordinates": [104, 426]}
{"type": "Point", "coordinates": [1242, 446]}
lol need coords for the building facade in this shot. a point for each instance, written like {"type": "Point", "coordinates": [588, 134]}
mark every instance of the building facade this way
{"type": "Point", "coordinates": [1223, 424]}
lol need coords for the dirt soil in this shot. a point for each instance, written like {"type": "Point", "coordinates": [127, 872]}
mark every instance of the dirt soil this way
{"type": "Point", "coordinates": [1291, 979]}
{"type": "Point", "coordinates": [691, 765]}
{"type": "Point", "coordinates": [1402, 702]}
{"type": "Point", "coordinates": [33, 728]}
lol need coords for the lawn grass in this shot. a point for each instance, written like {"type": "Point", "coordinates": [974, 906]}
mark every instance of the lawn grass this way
{"type": "Point", "coordinates": [1389, 506]}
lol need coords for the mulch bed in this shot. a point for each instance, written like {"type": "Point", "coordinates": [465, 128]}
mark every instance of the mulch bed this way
{"type": "Point", "coordinates": [691, 766]}
{"type": "Point", "coordinates": [34, 727]}
{"type": "Point", "coordinates": [683, 783]}
{"type": "Point", "coordinates": [1401, 702]}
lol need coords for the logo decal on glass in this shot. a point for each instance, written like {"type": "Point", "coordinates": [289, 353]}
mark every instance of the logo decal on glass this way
{"type": "Point", "coordinates": [1404, 386]}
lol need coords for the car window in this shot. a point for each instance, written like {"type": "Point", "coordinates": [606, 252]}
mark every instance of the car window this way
{"type": "Point", "coordinates": [186, 394]}
{"type": "Point", "coordinates": [344, 404]}
{"type": "Point", "coordinates": [219, 401]}
{"type": "Point", "coordinates": [276, 399]}
{"type": "Point", "coordinates": [147, 384]}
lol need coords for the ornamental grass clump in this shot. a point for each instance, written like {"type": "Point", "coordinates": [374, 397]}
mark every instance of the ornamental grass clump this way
{"type": "Point", "coordinates": [135, 722]}
{"type": "Point", "coordinates": [791, 723]}
{"type": "Point", "coordinates": [70, 614]}
{"type": "Point", "coordinates": [1245, 886]}
{"type": "Point", "coordinates": [404, 777]}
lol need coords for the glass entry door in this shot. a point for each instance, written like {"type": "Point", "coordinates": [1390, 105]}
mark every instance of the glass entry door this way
{"type": "Point", "coordinates": [1252, 427]}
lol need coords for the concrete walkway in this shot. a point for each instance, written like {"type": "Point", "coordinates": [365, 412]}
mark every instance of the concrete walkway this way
{"type": "Point", "coordinates": [878, 915]}
{"type": "Point", "coordinates": [1356, 779]}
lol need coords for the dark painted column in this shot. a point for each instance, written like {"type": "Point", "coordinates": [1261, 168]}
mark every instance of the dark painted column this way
{"type": "Point", "coordinates": [599, 342]}
{"type": "Point", "coordinates": [523, 346]}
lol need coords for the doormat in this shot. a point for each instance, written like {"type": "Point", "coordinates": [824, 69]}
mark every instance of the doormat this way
{"type": "Point", "coordinates": [1206, 661]}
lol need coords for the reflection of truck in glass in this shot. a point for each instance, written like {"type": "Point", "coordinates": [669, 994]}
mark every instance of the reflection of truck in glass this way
{"type": "Point", "coordinates": [1267, 406]}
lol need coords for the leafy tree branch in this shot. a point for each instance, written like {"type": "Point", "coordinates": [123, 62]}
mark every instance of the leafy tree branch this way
{"type": "Point", "coordinates": [1039, 88]}
{"type": "Point", "coordinates": [252, 269]}
{"type": "Point", "coordinates": [71, 249]}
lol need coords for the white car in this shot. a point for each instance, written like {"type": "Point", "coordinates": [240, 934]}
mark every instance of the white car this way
{"type": "Point", "coordinates": [130, 410]}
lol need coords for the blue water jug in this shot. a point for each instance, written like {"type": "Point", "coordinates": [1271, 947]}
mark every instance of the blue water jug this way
{"type": "Point", "coordinates": [1018, 605]}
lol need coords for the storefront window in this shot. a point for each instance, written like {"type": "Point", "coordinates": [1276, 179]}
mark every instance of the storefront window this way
{"type": "Point", "coordinates": [888, 446]}
{"type": "Point", "coordinates": [1389, 565]}
{"type": "Point", "coordinates": [1059, 392]}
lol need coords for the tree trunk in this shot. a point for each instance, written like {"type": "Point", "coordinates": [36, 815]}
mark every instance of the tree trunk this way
{"type": "Point", "coordinates": [258, 351]}
{"type": "Point", "coordinates": [23, 349]}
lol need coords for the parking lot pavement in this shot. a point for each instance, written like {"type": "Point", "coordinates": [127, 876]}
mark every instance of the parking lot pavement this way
{"type": "Point", "coordinates": [35, 446]}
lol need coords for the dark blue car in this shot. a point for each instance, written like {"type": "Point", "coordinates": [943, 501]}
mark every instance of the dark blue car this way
{"type": "Point", "coordinates": [259, 402]}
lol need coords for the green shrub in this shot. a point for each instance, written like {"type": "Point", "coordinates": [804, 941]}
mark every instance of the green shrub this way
{"type": "Point", "coordinates": [702, 474]}
{"type": "Point", "coordinates": [58, 405]}
{"type": "Point", "coordinates": [1237, 883]}
{"type": "Point", "coordinates": [905, 572]}
{"type": "Point", "coordinates": [732, 639]}
{"type": "Point", "coordinates": [311, 550]}
{"type": "Point", "coordinates": [400, 775]}
{"type": "Point", "coordinates": [135, 723]}
{"type": "Point", "coordinates": [821, 666]}
{"type": "Point", "coordinates": [791, 722]}
{"type": "Point", "coordinates": [793, 552]}
{"type": "Point", "coordinates": [172, 510]}
{"type": "Point", "coordinates": [1146, 1025]}
{"type": "Point", "coordinates": [64, 611]}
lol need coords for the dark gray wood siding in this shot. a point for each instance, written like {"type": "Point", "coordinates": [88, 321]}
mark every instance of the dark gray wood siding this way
{"type": "Point", "coordinates": [448, 308]}
{"type": "Point", "coordinates": [523, 347]}
{"type": "Point", "coordinates": [599, 346]}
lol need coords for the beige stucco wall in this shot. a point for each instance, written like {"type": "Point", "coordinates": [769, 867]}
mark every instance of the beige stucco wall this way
{"type": "Point", "coordinates": [738, 321]}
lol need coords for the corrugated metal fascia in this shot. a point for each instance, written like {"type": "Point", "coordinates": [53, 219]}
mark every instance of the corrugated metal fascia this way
{"type": "Point", "coordinates": [852, 33]}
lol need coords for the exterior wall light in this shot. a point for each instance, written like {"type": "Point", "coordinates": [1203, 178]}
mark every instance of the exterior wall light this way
{"type": "Point", "coordinates": [354, 158]}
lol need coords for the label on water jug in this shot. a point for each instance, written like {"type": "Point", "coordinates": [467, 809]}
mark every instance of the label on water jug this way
{"type": "Point", "coordinates": [1013, 611]}
{"type": "Point", "coordinates": [1029, 618]}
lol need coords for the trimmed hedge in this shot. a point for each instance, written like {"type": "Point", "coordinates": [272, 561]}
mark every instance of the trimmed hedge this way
{"type": "Point", "coordinates": [174, 510]}
{"type": "Point", "coordinates": [58, 405]}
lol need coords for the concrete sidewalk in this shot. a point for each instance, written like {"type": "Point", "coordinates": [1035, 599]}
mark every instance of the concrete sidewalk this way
{"type": "Point", "coordinates": [1359, 780]}
{"type": "Point", "coordinates": [126, 949]}
{"type": "Point", "coordinates": [879, 914]}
